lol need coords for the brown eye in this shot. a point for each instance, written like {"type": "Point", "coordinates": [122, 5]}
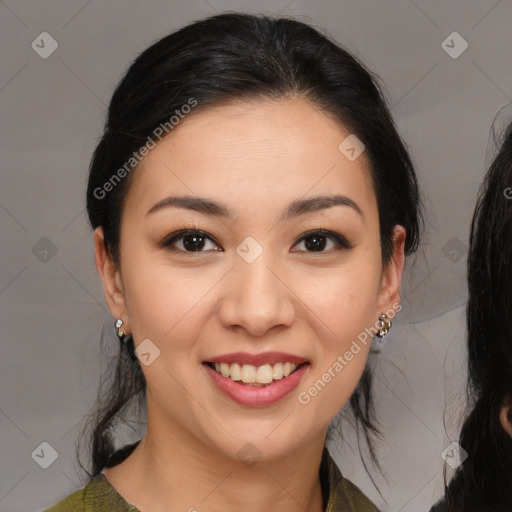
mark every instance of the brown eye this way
{"type": "Point", "coordinates": [188, 240]}
{"type": "Point", "coordinates": [317, 241]}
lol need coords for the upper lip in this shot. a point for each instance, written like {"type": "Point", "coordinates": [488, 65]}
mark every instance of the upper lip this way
{"type": "Point", "coordinates": [257, 359]}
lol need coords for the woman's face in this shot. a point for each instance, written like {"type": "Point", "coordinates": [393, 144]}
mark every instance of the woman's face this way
{"type": "Point", "coordinates": [258, 278]}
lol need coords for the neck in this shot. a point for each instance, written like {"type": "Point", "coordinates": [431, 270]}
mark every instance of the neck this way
{"type": "Point", "coordinates": [170, 471]}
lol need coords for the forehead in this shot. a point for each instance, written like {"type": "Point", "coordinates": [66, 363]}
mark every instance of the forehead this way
{"type": "Point", "coordinates": [265, 151]}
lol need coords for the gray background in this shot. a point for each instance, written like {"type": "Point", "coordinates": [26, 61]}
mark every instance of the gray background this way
{"type": "Point", "coordinates": [51, 303]}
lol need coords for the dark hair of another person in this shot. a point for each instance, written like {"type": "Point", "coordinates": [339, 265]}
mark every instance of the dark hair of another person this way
{"type": "Point", "coordinates": [240, 57]}
{"type": "Point", "coordinates": [483, 482]}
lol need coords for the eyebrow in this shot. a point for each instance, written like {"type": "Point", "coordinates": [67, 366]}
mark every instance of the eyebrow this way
{"type": "Point", "coordinates": [294, 209]}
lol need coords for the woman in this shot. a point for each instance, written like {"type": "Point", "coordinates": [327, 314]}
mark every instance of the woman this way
{"type": "Point", "coordinates": [252, 205]}
{"type": "Point", "coordinates": [483, 482]}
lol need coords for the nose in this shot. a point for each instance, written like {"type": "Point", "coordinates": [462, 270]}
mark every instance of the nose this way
{"type": "Point", "coordinates": [257, 297]}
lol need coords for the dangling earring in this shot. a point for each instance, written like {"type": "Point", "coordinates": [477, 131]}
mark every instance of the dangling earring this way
{"type": "Point", "coordinates": [385, 325]}
{"type": "Point", "coordinates": [125, 339]}
{"type": "Point", "coordinates": [119, 331]}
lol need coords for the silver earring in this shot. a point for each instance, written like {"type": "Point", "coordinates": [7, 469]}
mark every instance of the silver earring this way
{"type": "Point", "coordinates": [385, 325]}
{"type": "Point", "coordinates": [119, 331]}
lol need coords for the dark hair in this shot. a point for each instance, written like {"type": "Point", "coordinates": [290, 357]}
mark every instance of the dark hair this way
{"type": "Point", "coordinates": [484, 480]}
{"type": "Point", "coordinates": [238, 57]}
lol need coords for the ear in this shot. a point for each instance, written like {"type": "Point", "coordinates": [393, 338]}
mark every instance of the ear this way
{"type": "Point", "coordinates": [113, 288]}
{"type": "Point", "coordinates": [392, 273]}
{"type": "Point", "coordinates": [506, 416]}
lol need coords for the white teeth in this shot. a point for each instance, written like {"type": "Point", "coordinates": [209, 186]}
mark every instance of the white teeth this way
{"type": "Point", "coordinates": [278, 371]}
{"type": "Point", "coordinates": [224, 369]}
{"type": "Point", "coordinates": [250, 374]}
{"type": "Point", "coordinates": [235, 371]}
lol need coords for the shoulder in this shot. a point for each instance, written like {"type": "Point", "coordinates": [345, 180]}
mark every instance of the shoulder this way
{"type": "Point", "coordinates": [440, 506]}
{"type": "Point", "coordinates": [96, 492]}
{"type": "Point", "coordinates": [344, 496]}
{"type": "Point", "coordinates": [356, 499]}
{"type": "Point", "coordinates": [74, 502]}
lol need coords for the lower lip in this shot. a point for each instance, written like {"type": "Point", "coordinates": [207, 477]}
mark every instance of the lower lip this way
{"type": "Point", "coordinates": [257, 396]}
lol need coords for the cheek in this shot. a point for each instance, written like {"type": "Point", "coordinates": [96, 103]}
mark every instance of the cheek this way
{"type": "Point", "coordinates": [345, 300]}
{"type": "Point", "coordinates": [343, 306]}
{"type": "Point", "coordinates": [163, 301]}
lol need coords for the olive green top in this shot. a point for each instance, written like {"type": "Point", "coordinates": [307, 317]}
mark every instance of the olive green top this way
{"type": "Point", "coordinates": [339, 494]}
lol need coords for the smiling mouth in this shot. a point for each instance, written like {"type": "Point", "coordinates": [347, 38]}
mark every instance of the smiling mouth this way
{"type": "Point", "coordinates": [249, 375]}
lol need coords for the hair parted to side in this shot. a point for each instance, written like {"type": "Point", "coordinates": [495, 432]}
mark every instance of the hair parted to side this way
{"type": "Point", "coordinates": [237, 57]}
{"type": "Point", "coordinates": [484, 480]}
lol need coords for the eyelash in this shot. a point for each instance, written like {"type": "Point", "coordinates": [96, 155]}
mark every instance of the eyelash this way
{"type": "Point", "coordinates": [167, 242]}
